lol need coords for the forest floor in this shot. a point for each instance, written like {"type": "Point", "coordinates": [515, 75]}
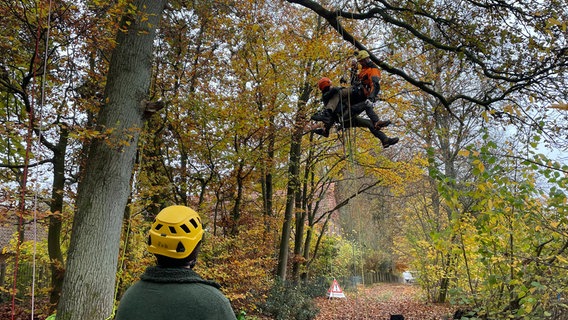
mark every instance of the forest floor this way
{"type": "Point", "coordinates": [376, 302]}
{"type": "Point", "coordinates": [380, 301]}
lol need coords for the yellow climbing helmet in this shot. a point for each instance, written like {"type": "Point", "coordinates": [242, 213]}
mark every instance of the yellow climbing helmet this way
{"type": "Point", "coordinates": [361, 54]}
{"type": "Point", "coordinates": [175, 233]}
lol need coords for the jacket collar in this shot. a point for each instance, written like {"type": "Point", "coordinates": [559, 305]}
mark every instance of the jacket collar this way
{"type": "Point", "coordinates": [174, 275]}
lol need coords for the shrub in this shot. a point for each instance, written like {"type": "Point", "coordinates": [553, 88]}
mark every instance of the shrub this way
{"type": "Point", "coordinates": [286, 302]}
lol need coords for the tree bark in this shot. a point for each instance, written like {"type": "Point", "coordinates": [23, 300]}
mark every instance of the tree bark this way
{"type": "Point", "coordinates": [295, 150]}
{"type": "Point", "coordinates": [238, 196]}
{"type": "Point", "coordinates": [56, 208]}
{"type": "Point", "coordinates": [298, 239]}
{"type": "Point", "coordinates": [266, 180]}
{"type": "Point", "coordinates": [88, 287]}
{"type": "Point", "coordinates": [293, 182]}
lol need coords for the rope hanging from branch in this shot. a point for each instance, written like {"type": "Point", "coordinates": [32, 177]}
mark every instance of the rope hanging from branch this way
{"type": "Point", "coordinates": [349, 136]}
{"type": "Point", "coordinates": [25, 172]}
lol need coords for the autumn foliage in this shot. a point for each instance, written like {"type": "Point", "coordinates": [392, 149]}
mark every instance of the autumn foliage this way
{"type": "Point", "coordinates": [472, 199]}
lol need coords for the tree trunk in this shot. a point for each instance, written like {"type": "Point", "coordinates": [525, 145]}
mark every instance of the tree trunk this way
{"type": "Point", "coordinates": [448, 265]}
{"type": "Point", "coordinates": [267, 169]}
{"type": "Point", "coordinates": [56, 208]}
{"type": "Point", "coordinates": [236, 211]}
{"type": "Point", "coordinates": [308, 206]}
{"type": "Point", "coordinates": [88, 287]}
{"type": "Point", "coordinates": [293, 182]}
{"type": "Point", "coordinates": [267, 184]}
{"type": "Point", "coordinates": [295, 150]}
{"type": "Point", "coordinates": [299, 238]}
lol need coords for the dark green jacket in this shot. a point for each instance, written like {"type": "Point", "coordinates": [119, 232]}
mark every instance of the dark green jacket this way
{"type": "Point", "coordinates": [172, 294]}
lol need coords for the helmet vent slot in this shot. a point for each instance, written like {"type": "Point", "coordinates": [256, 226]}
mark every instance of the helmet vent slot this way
{"type": "Point", "coordinates": [193, 223]}
{"type": "Point", "coordinates": [180, 247]}
{"type": "Point", "coordinates": [172, 229]}
{"type": "Point", "coordinates": [185, 228]}
{"type": "Point", "coordinates": [159, 226]}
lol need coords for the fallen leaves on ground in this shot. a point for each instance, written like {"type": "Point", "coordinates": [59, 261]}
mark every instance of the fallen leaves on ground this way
{"type": "Point", "coordinates": [376, 302]}
{"type": "Point", "coordinates": [380, 301]}
{"type": "Point", "coordinates": [18, 312]}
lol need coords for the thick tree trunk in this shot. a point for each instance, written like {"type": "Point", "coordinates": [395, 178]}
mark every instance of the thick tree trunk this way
{"type": "Point", "coordinates": [88, 287]}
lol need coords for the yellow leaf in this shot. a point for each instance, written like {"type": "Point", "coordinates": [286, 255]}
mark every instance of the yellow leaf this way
{"type": "Point", "coordinates": [554, 21]}
{"type": "Point", "coordinates": [561, 259]}
{"type": "Point", "coordinates": [464, 153]}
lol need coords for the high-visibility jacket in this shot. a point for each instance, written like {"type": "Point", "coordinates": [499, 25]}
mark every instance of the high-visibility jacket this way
{"type": "Point", "coordinates": [370, 76]}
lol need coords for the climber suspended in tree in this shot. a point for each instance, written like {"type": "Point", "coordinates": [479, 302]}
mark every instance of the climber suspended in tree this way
{"type": "Point", "coordinates": [339, 109]}
{"type": "Point", "coordinates": [334, 98]}
{"type": "Point", "coordinates": [368, 79]}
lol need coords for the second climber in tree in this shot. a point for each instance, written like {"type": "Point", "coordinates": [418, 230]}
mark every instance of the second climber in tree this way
{"type": "Point", "coordinates": [367, 83]}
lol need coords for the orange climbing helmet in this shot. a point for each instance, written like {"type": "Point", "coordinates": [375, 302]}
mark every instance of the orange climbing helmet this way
{"type": "Point", "coordinates": [175, 233]}
{"type": "Point", "coordinates": [324, 83]}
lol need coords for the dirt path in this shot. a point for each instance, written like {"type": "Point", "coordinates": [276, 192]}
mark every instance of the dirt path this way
{"type": "Point", "coordinates": [379, 302]}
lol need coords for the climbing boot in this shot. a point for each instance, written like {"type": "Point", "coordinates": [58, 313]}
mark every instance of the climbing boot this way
{"type": "Point", "coordinates": [321, 132]}
{"type": "Point", "coordinates": [324, 115]}
{"type": "Point", "coordinates": [389, 142]}
{"type": "Point", "coordinates": [381, 124]}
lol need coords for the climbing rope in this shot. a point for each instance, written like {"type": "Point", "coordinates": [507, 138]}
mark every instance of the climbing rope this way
{"type": "Point", "coordinates": [349, 139]}
{"type": "Point", "coordinates": [42, 103]}
{"type": "Point", "coordinates": [349, 136]}
{"type": "Point", "coordinates": [25, 172]}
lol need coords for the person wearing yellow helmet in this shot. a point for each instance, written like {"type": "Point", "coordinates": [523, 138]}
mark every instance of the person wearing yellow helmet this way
{"type": "Point", "coordinates": [172, 289]}
{"type": "Point", "coordinates": [361, 54]}
{"type": "Point", "coordinates": [368, 79]}
{"type": "Point", "coordinates": [175, 234]}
